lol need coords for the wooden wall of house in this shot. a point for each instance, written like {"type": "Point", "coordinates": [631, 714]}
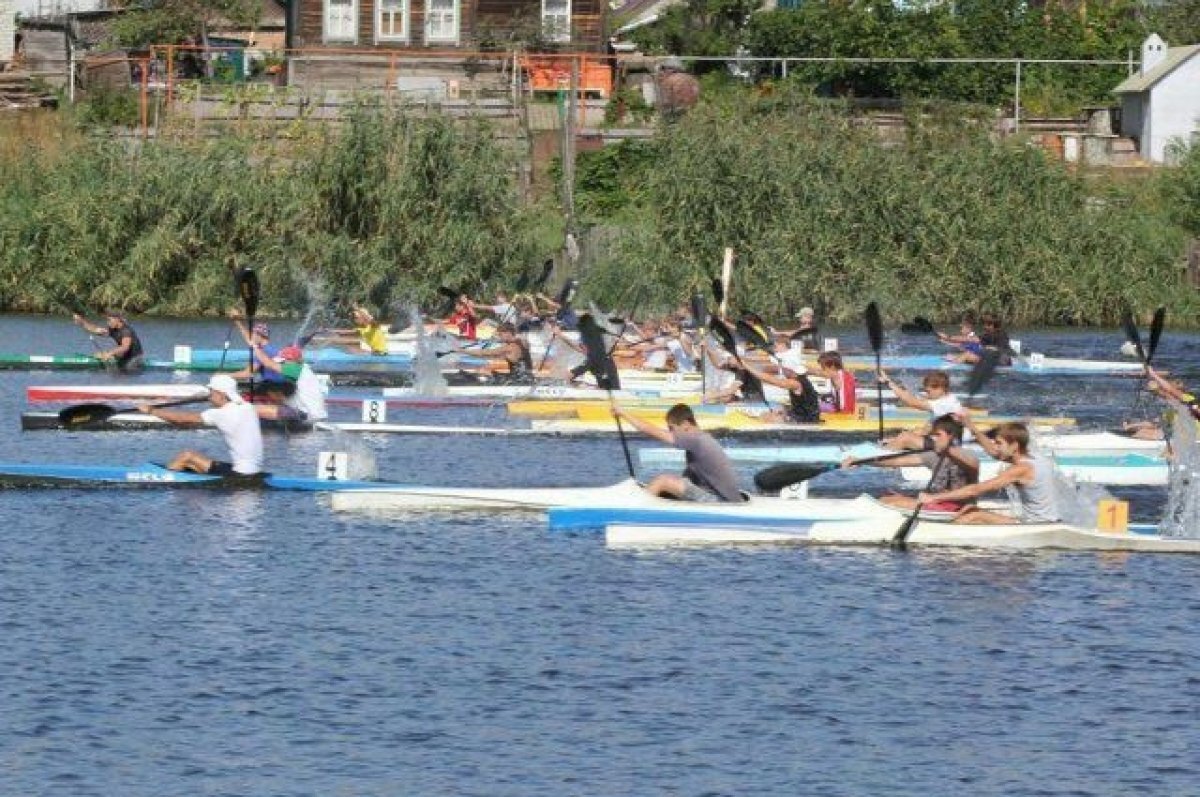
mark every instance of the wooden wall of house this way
{"type": "Point", "coordinates": [476, 18]}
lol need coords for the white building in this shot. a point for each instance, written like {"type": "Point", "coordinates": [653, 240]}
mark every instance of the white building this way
{"type": "Point", "coordinates": [1161, 103]}
{"type": "Point", "coordinates": [8, 31]}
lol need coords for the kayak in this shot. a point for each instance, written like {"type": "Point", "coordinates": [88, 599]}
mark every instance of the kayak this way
{"type": "Point", "coordinates": [1082, 444]}
{"type": "Point", "coordinates": [1036, 364]}
{"type": "Point", "coordinates": [757, 512]}
{"type": "Point", "coordinates": [432, 498]}
{"type": "Point", "coordinates": [1127, 470]}
{"type": "Point", "coordinates": [742, 422]}
{"type": "Point", "coordinates": [133, 421]}
{"type": "Point", "coordinates": [737, 412]}
{"type": "Point", "coordinates": [626, 497]}
{"type": "Point", "coordinates": [154, 475]}
{"type": "Point", "coordinates": [63, 362]}
{"type": "Point", "coordinates": [877, 531]}
{"type": "Point", "coordinates": [127, 392]}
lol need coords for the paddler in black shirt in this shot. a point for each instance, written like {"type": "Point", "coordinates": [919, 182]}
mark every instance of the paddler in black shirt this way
{"type": "Point", "coordinates": [127, 354]}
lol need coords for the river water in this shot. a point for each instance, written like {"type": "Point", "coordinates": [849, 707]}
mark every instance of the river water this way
{"type": "Point", "coordinates": [195, 642]}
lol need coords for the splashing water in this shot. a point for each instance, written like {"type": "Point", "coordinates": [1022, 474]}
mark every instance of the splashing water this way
{"type": "Point", "coordinates": [360, 457]}
{"type": "Point", "coordinates": [427, 369]}
{"type": "Point", "coordinates": [1078, 504]}
{"type": "Point", "coordinates": [1182, 515]}
{"type": "Point", "coordinates": [318, 300]}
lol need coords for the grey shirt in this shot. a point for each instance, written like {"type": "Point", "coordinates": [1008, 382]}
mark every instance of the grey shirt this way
{"type": "Point", "coordinates": [951, 476]}
{"type": "Point", "coordinates": [708, 466]}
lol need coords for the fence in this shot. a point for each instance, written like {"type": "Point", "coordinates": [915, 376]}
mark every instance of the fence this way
{"type": "Point", "coordinates": [310, 76]}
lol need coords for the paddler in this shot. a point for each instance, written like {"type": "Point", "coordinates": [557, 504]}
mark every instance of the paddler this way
{"type": "Point", "coordinates": [806, 335]}
{"type": "Point", "coordinates": [304, 400]}
{"type": "Point", "coordinates": [709, 476]}
{"type": "Point", "coordinates": [960, 469]}
{"type": "Point", "coordinates": [845, 387]}
{"type": "Point", "coordinates": [127, 354]}
{"type": "Point", "coordinates": [233, 417]}
{"type": "Point", "coordinates": [371, 333]}
{"type": "Point", "coordinates": [804, 405]}
{"type": "Point", "coordinates": [937, 401]}
{"type": "Point", "coordinates": [513, 351]}
{"type": "Point", "coordinates": [1028, 480]}
{"type": "Point", "coordinates": [264, 364]}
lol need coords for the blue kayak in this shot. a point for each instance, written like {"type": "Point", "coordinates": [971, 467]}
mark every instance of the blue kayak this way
{"type": "Point", "coordinates": [153, 475]}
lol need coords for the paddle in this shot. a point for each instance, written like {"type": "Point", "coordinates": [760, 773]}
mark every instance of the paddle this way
{"type": "Point", "coordinates": [980, 374]}
{"type": "Point", "coordinates": [1134, 337]}
{"type": "Point", "coordinates": [248, 289]}
{"type": "Point", "coordinates": [601, 365]}
{"type": "Point", "coordinates": [776, 477]}
{"type": "Point", "coordinates": [87, 414]}
{"type": "Point", "coordinates": [918, 326]}
{"type": "Point", "coordinates": [875, 335]}
{"type": "Point", "coordinates": [699, 318]}
{"type": "Point", "coordinates": [718, 292]}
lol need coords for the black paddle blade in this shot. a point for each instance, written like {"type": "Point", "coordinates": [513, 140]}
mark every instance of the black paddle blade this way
{"type": "Point", "coordinates": [918, 326]}
{"type": "Point", "coordinates": [248, 289]}
{"type": "Point", "coordinates": [718, 290]}
{"type": "Point", "coordinates": [723, 336]}
{"type": "Point", "coordinates": [754, 335]}
{"type": "Point", "coordinates": [448, 293]}
{"type": "Point", "coordinates": [776, 477]}
{"type": "Point", "coordinates": [544, 277]}
{"type": "Point", "coordinates": [598, 362]}
{"type": "Point", "coordinates": [567, 294]}
{"type": "Point", "coordinates": [982, 371]}
{"type": "Point", "coordinates": [874, 327]}
{"type": "Point", "coordinates": [699, 311]}
{"type": "Point", "coordinates": [82, 415]}
{"type": "Point", "coordinates": [1156, 330]}
{"type": "Point", "coordinates": [1132, 334]}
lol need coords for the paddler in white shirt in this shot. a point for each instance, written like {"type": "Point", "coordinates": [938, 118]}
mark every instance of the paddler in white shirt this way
{"type": "Point", "coordinates": [937, 401]}
{"type": "Point", "coordinates": [234, 418]}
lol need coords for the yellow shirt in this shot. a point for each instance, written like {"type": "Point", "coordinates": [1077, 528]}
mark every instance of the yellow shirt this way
{"type": "Point", "coordinates": [374, 337]}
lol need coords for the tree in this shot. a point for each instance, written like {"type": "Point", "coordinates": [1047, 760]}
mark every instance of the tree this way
{"type": "Point", "coordinates": [147, 22]}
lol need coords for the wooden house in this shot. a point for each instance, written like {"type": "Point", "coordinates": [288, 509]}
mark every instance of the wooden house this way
{"type": "Point", "coordinates": [1160, 105]}
{"type": "Point", "coordinates": [468, 25]}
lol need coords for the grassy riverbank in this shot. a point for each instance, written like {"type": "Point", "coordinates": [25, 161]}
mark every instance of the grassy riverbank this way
{"type": "Point", "coordinates": [819, 211]}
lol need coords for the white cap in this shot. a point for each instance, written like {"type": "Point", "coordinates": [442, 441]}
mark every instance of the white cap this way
{"type": "Point", "coordinates": [793, 360]}
{"type": "Point", "coordinates": [805, 311]}
{"type": "Point", "coordinates": [223, 383]}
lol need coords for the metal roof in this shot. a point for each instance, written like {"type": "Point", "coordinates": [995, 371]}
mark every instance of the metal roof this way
{"type": "Point", "coordinates": [1142, 82]}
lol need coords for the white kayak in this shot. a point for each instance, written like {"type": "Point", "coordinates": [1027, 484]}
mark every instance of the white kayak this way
{"type": "Point", "coordinates": [630, 391]}
{"type": "Point", "coordinates": [878, 531]}
{"type": "Point", "coordinates": [1088, 444]}
{"type": "Point", "coordinates": [1129, 470]}
{"type": "Point", "coordinates": [628, 497]}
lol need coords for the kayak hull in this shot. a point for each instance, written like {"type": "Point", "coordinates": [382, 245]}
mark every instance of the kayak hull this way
{"type": "Point", "coordinates": [154, 475]}
{"type": "Point", "coordinates": [877, 532]}
{"type": "Point", "coordinates": [134, 421]}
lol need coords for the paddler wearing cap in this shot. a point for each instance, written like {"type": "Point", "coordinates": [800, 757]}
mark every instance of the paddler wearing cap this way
{"type": "Point", "coordinates": [806, 335]}
{"type": "Point", "coordinates": [258, 338]}
{"type": "Point", "coordinates": [233, 417]}
{"type": "Point", "coordinates": [804, 404]}
{"type": "Point", "coordinates": [127, 354]}
{"type": "Point", "coordinates": [305, 400]}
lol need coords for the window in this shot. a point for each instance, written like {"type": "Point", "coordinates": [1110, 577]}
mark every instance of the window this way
{"type": "Point", "coordinates": [556, 20]}
{"type": "Point", "coordinates": [391, 20]}
{"type": "Point", "coordinates": [441, 21]}
{"type": "Point", "coordinates": [341, 18]}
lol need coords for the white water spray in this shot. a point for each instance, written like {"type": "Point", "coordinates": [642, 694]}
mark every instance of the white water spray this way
{"type": "Point", "coordinates": [1182, 515]}
{"type": "Point", "coordinates": [427, 368]}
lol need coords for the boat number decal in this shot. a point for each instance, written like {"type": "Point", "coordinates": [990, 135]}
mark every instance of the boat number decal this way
{"type": "Point", "coordinates": [549, 391]}
{"type": "Point", "coordinates": [139, 476]}
{"type": "Point", "coordinates": [374, 411]}
{"type": "Point", "coordinates": [1037, 360]}
{"type": "Point", "coordinates": [40, 358]}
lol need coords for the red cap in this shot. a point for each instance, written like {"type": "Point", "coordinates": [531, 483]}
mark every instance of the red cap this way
{"type": "Point", "coordinates": [291, 354]}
